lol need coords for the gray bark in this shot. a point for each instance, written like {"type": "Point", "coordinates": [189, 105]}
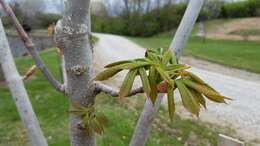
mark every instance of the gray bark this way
{"type": "Point", "coordinates": [20, 96]}
{"type": "Point", "coordinates": [100, 87]}
{"type": "Point", "coordinates": [31, 47]}
{"type": "Point", "coordinates": [183, 32]}
{"type": "Point", "coordinates": [127, 7]}
{"type": "Point", "coordinates": [158, 4]}
{"type": "Point", "coordinates": [2, 79]}
{"type": "Point", "coordinates": [72, 35]}
{"type": "Point", "coordinates": [201, 29]}
{"type": "Point", "coordinates": [143, 127]}
{"type": "Point", "coordinates": [63, 69]}
{"type": "Point", "coordinates": [148, 6]}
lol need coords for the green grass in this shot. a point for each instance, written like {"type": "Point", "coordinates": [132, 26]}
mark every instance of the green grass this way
{"type": "Point", "coordinates": [239, 54]}
{"type": "Point", "coordinates": [51, 108]}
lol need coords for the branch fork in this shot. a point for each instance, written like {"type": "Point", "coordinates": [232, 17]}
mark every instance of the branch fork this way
{"type": "Point", "coordinates": [100, 87]}
{"type": "Point", "coordinates": [31, 48]}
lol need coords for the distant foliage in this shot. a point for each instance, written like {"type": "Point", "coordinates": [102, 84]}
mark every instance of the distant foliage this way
{"type": "Point", "coordinates": [211, 9]}
{"type": "Point", "coordinates": [18, 12]}
{"type": "Point", "coordinates": [250, 8]}
{"type": "Point", "coordinates": [254, 7]}
{"type": "Point", "coordinates": [145, 23]}
{"type": "Point", "coordinates": [168, 17]}
{"type": "Point", "coordinates": [141, 24]}
{"type": "Point", "coordinates": [46, 19]}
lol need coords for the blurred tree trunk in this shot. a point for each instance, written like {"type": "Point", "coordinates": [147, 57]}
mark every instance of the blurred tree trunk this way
{"type": "Point", "coordinates": [2, 79]}
{"type": "Point", "coordinates": [183, 32]}
{"type": "Point", "coordinates": [148, 6]}
{"type": "Point", "coordinates": [158, 4]}
{"type": "Point", "coordinates": [146, 118]}
{"type": "Point", "coordinates": [139, 6]}
{"type": "Point", "coordinates": [169, 2]}
{"type": "Point", "coordinates": [18, 91]}
{"type": "Point", "coordinates": [127, 7]}
{"type": "Point", "coordinates": [72, 36]}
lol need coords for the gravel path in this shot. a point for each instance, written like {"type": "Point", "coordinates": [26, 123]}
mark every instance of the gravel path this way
{"type": "Point", "coordinates": [242, 114]}
{"type": "Point", "coordinates": [222, 31]}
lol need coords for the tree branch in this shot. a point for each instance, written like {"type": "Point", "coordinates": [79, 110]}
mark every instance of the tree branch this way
{"type": "Point", "coordinates": [19, 94]}
{"type": "Point", "coordinates": [100, 87]}
{"type": "Point", "coordinates": [184, 30]}
{"type": "Point", "coordinates": [30, 72]}
{"type": "Point", "coordinates": [31, 48]}
{"type": "Point", "coordinates": [182, 34]}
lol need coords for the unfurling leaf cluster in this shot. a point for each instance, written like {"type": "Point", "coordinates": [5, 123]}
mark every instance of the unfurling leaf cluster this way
{"type": "Point", "coordinates": [160, 73]}
{"type": "Point", "coordinates": [91, 121]}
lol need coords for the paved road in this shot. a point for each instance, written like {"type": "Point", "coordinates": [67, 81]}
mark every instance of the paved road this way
{"type": "Point", "coordinates": [243, 113]}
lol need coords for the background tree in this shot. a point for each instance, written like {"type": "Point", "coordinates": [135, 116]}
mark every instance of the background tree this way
{"type": "Point", "coordinates": [2, 79]}
{"type": "Point", "coordinates": [72, 37]}
{"type": "Point", "coordinates": [19, 94]}
{"type": "Point", "coordinates": [145, 121]}
{"type": "Point", "coordinates": [31, 7]}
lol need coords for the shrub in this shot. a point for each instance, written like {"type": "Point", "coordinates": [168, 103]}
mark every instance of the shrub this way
{"type": "Point", "coordinates": [254, 7]}
{"type": "Point", "coordinates": [46, 19]}
{"type": "Point", "coordinates": [211, 9]}
{"type": "Point", "coordinates": [141, 24]}
{"type": "Point", "coordinates": [7, 22]}
{"type": "Point", "coordinates": [235, 10]}
{"type": "Point", "coordinates": [250, 8]}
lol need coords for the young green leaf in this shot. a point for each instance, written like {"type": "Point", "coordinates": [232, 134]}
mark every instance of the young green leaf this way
{"type": "Point", "coordinates": [133, 65]}
{"type": "Point", "coordinates": [171, 104]}
{"type": "Point", "coordinates": [211, 88]}
{"type": "Point", "coordinates": [160, 51]}
{"type": "Point", "coordinates": [155, 58]}
{"type": "Point", "coordinates": [199, 97]}
{"type": "Point", "coordinates": [174, 60]}
{"type": "Point", "coordinates": [167, 56]}
{"type": "Point", "coordinates": [189, 102]}
{"type": "Point", "coordinates": [79, 110]}
{"type": "Point", "coordinates": [84, 120]}
{"type": "Point", "coordinates": [172, 69]}
{"type": "Point", "coordinates": [127, 83]}
{"type": "Point", "coordinates": [205, 90]}
{"type": "Point", "coordinates": [102, 119]}
{"type": "Point", "coordinates": [199, 80]}
{"type": "Point", "coordinates": [145, 81]}
{"type": "Point", "coordinates": [117, 63]}
{"type": "Point", "coordinates": [97, 127]}
{"type": "Point", "coordinates": [164, 75]}
{"type": "Point", "coordinates": [152, 80]}
{"type": "Point", "coordinates": [195, 78]}
{"type": "Point", "coordinates": [108, 73]}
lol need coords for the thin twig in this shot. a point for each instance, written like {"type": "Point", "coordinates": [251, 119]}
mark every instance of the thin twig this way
{"type": "Point", "coordinates": [31, 48]}
{"type": "Point", "coordinates": [30, 72]}
{"type": "Point", "coordinates": [100, 87]}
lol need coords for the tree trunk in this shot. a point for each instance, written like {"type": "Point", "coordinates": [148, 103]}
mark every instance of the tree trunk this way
{"type": "Point", "coordinates": [183, 32]}
{"type": "Point", "coordinates": [20, 96]}
{"type": "Point", "coordinates": [63, 69]}
{"type": "Point", "coordinates": [127, 7]}
{"type": "Point", "coordinates": [148, 5]}
{"type": "Point", "coordinates": [141, 133]}
{"type": "Point", "coordinates": [2, 79]}
{"type": "Point", "coordinates": [72, 36]}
